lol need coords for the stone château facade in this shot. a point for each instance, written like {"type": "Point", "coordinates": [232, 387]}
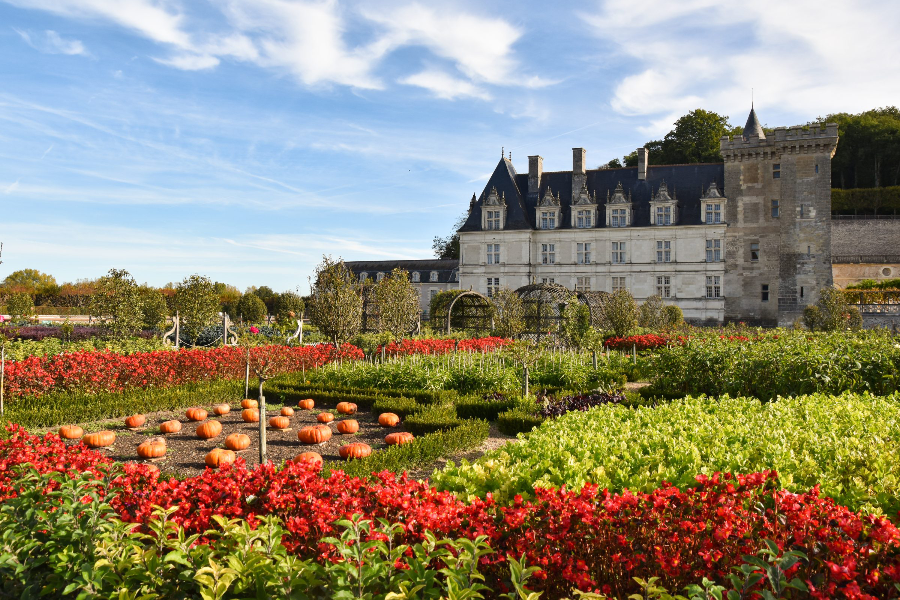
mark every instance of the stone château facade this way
{"type": "Point", "coordinates": [744, 240]}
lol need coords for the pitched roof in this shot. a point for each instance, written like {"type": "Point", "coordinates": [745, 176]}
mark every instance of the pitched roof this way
{"type": "Point", "coordinates": [753, 127]}
{"type": "Point", "coordinates": [444, 267]}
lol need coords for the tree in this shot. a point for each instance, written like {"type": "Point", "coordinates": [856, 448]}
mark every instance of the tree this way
{"type": "Point", "coordinates": [652, 313]}
{"type": "Point", "coordinates": [19, 306]}
{"type": "Point", "coordinates": [694, 139]}
{"type": "Point", "coordinates": [197, 304]}
{"type": "Point", "coordinates": [509, 313]}
{"type": "Point", "coordinates": [30, 281]}
{"type": "Point", "coordinates": [229, 296]}
{"type": "Point", "coordinates": [118, 304]}
{"type": "Point", "coordinates": [612, 164]}
{"type": "Point", "coordinates": [251, 309]}
{"type": "Point", "coordinates": [868, 155]}
{"type": "Point", "coordinates": [621, 312]}
{"type": "Point", "coordinates": [674, 317]}
{"type": "Point", "coordinates": [155, 308]}
{"type": "Point", "coordinates": [398, 304]}
{"type": "Point", "coordinates": [267, 295]}
{"type": "Point", "coordinates": [335, 304]}
{"type": "Point", "coordinates": [448, 247]}
{"type": "Point", "coordinates": [576, 322]}
{"type": "Point", "coordinates": [288, 308]}
{"type": "Point", "coordinates": [832, 312]}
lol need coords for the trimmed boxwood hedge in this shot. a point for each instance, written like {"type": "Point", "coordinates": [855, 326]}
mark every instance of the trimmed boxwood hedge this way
{"type": "Point", "coordinates": [433, 418]}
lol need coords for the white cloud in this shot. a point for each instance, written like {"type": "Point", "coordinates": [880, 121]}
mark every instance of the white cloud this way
{"type": "Point", "coordinates": [190, 62]}
{"type": "Point", "coordinates": [11, 187]}
{"type": "Point", "coordinates": [801, 59]}
{"type": "Point", "coordinates": [445, 86]}
{"type": "Point", "coordinates": [50, 42]}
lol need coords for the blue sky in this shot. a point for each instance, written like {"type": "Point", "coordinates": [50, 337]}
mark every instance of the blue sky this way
{"type": "Point", "coordinates": [244, 139]}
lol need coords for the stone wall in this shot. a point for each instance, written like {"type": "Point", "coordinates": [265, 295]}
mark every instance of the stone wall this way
{"type": "Point", "coordinates": [866, 237]}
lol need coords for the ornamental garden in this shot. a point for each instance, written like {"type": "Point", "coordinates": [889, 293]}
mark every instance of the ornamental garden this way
{"type": "Point", "coordinates": [627, 457]}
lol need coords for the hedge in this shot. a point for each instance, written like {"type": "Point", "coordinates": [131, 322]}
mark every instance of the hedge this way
{"type": "Point", "coordinates": [866, 199]}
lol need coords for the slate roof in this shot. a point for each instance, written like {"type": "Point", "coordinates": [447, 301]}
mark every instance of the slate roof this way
{"type": "Point", "coordinates": [686, 182]}
{"type": "Point", "coordinates": [753, 126]}
{"type": "Point", "coordinates": [444, 267]}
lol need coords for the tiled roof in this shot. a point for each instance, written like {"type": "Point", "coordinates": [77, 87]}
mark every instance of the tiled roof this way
{"type": "Point", "coordinates": [446, 268]}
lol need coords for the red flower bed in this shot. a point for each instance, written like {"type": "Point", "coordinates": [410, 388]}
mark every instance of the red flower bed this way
{"type": "Point", "coordinates": [640, 342]}
{"type": "Point", "coordinates": [431, 346]}
{"type": "Point", "coordinates": [593, 539]}
{"type": "Point", "coordinates": [92, 372]}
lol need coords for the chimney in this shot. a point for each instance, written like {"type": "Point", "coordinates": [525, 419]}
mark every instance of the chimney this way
{"type": "Point", "coordinates": [642, 163]}
{"type": "Point", "coordinates": [535, 170]}
{"type": "Point", "coordinates": [578, 161]}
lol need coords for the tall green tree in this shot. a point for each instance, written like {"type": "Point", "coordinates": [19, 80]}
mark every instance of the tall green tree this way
{"type": "Point", "coordinates": [154, 306]}
{"type": "Point", "coordinates": [30, 281]}
{"type": "Point", "coordinates": [448, 247]}
{"type": "Point", "coordinates": [576, 323]}
{"type": "Point", "coordinates": [398, 304]}
{"type": "Point", "coordinates": [118, 304]}
{"type": "Point", "coordinates": [620, 312]}
{"type": "Point", "coordinates": [868, 153]}
{"type": "Point", "coordinates": [251, 309]}
{"type": "Point", "coordinates": [197, 304]}
{"type": "Point", "coordinates": [19, 306]}
{"type": "Point", "coordinates": [694, 139]}
{"type": "Point", "coordinates": [335, 304]}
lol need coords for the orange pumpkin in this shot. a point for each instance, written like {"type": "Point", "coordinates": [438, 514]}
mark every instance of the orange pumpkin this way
{"type": "Point", "coordinates": [237, 441]}
{"type": "Point", "coordinates": [250, 415]}
{"type": "Point", "coordinates": [400, 437]}
{"type": "Point", "coordinates": [287, 411]}
{"type": "Point", "coordinates": [312, 457]}
{"type": "Point", "coordinates": [307, 404]}
{"type": "Point", "coordinates": [151, 449]}
{"type": "Point", "coordinates": [279, 422]}
{"type": "Point", "coordinates": [218, 457]}
{"type": "Point", "coordinates": [209, 430]}
{"type": "Point", "coordinates": [355, 450]}
{"type": "Point", "coordinates": [196, 414]}
{"type": "Point", "coordinates": [100, 439]}
{"type": "Point", "coordinates": [388, 420]}
{"type": "Point", "coordinates": [314, 434]}
{"type": "Point", "coordinates": [135, 421]}
{"type": "Point", "coordinates": [325, 417]}
{"type": "Point", "coordinates": [170, 427]}
{"type": "Point", "coordinates": [71, 432]}
{"type": "Point", "coordinates": [249, 403]}
{"type": "Point", "coordinates": [346, 408]}
{"type": "Point", "coordinates": [222, 409]}
{"type": "Point", "coordinates": [348, 426]}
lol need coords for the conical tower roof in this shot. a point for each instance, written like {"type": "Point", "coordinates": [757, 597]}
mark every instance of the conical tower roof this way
{"type": "Point", "coordinates": [753, 126]}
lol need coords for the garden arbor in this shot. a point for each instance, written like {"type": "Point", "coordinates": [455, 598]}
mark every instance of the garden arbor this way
{"type": "Point", "coordinates": [467, 310]}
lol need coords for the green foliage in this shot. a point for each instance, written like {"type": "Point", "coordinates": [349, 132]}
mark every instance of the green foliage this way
{"type": "Point", "coordinates": [576, 323]}
{"type": "Point", "coordinates": [672, 316]}
{"type": "Point", "coordinates": [784, 363]}
{"type": "Point", "coordinates": [844, 443]}
{"type": "Point", "coordinates": [251, 309]}
{"type": "Point", "coordinates": [695, 139]}
{"type": "Point", "coordinates": [197, 303]}
{"type": "Point", "coordinates": [398, 304]}
{"type": "Point", "coordinates": [437, 417]}
{"type": "Point", "coordinates": [868, 153]}
{"type": "Point", "coordinates": [30, 281]}
{"type": "Point", "coordinates": [19, 306]}
{"type": "Point", "coordinates": [288, 308]}
{"type": "Point", "coordinates": [400, 405]}
{"type": "Point", "coordinates": [652, 313]}
{"type": "Point", "coordinates": [871, 284]}
{"type": "Point", "coordinates": [335, 304]}
{"type": "Point", "coordinates": [448, 247]}
{"type": "Point", "coordinates": [520, 419]}
{"type": "Point", "coordinates": [812, 317]}
{"type": "Point", "coordinates": [60, 408]}
{"type": "Point", "coordinates": [154, 307]}
{"type": "Point", "coordinates": [884, 200]}
{"type": "Point", "coordinates": [831, 312]}
{"type": "Point", "coordinates": [489, 409]}
{"type": "Point", "coordinates": [621, 312]}
{"type": "Point", "coordinates": [509, 313]}
{"type": "Point", "coordinates": [118, 304]}
{"type": "Point", "coordinates": [20, 349]}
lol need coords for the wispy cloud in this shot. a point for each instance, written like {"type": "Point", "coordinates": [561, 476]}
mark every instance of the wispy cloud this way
{"type": "Point", "coordinates": [11, 187]}
{"type": "Point", "coordinates": [445, 86]}
{"type": "Point", "coordinates": [50, 42]}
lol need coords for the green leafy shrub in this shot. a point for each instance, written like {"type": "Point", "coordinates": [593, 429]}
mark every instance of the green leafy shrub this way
{"type": "Point", "coordinates": [673, 316]}
{"type": "Point", "coordinates": [432, 418]}
{"type": "Point", "coordinates": [478, 407]}
{"type": "Point", "coordinates": [846, 444]}
{"type": "Point", "coordinates": [522, 418]}
{"type": "Point", "coordinates": [399, 405]}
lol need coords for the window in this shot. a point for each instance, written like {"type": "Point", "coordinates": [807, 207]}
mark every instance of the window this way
{"type": "Point", "coordinates": [583, 253]}
{"type": "Point", "coordinates": [582, 284]}
{"type": "Point", "coordinates": [664, 215]}
{"type": "Point", "coordinates": [663, 286]}
{"type": "Point", "coordinates": [434, 276]}
{"type": "Point", "coordinates": [548, 219]}
{"type": "Point", "coordinates": [493, 254]}
{"type": "Point", "coordinates": [806, 211]}
{"type": "Point", "coordinates": [618, 283]}
{"type": "Point", "coordinates": [618, 252]}
{"type": "Point", "coordinates": [754, 251]}
{"type": "Point", "coordinates": [713, 250]}
{"type": "Point", "coordinates": [775, 211]}
{"type": "Point", "coordinates": [619, 217]}
{"type": "Point", "coordinates": [493, 219]}
{"type": "Point", "coordinates": [548, 254]}
{"type": "Point", "coordinates": [416, 277]}
{"type": "Point", "coordinates": [765, 292]}
{"type": "Point", "coordinates": [363, 276]}
{"type": "Point", "coordinates": [817, 168]}
{"type": "Point", "coordinates": [776, 171]}
{"type": "Point", "coordinates": [801, 291]}
{"type": "Point", "coordinates": [379, 276]}
{"type": "Point", "coordinates": [493, 286]}
{"type": "Point", "coordinates": [548, 280]}
{"type": "Point", "coordinates": [432, 294]}
{"type": "Point", "coordinates": [809, 252]}
{"type": "Point", "coordinates": [713, 212]}
{"type": "Point", "coordinates": [713, 286]}
{"type": "Point", "coordinates": [584, 219]}
{"type": "Point", "coordinates": [663, 251]}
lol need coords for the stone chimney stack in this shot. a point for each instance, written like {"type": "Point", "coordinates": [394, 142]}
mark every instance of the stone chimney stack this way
{"type": "Point", "coordinates": [578, 171]}
{"type": "Point", "coordinates": [535, 170]}
{"type": "Point", "coordinates": [642, 163]}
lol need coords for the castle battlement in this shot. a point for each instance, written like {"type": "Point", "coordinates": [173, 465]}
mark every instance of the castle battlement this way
{"type": "Point", "coordinates": [783, 139]}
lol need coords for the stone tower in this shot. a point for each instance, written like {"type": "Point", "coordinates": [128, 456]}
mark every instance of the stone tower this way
{"type": "Point", "coordinates": [778, 215]}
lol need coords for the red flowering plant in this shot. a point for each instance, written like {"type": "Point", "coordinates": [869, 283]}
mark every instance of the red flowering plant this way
{"type": "Point", "coordinates": [593, 539]}
{"type": "Point", "coordinates": [408, 347]}
{"type": "Point", "coordinates": [639, 342]}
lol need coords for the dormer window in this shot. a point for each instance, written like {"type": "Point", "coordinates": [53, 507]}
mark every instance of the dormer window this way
{"type": "Point", "coordinates": [434, 276]}
{"type": "Point", "coordinates": [663, 207]}
{"type": "Point", "coordinates": [363, 276]}
{"type": "Point", "coordinates": [618, 208]}
{"type": "Point", "coordinates": [493, 211]}
{"type": "Point", "coordinates": [379, 276]}
{"type": "Point", "coordinates": [548, 211]}
{"type": "Point", "coordinates": [712, 210]}
{"type": "Point", "coordinates": [416, 277]}
{"type": "Point", "coordinates": [584, 209]}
